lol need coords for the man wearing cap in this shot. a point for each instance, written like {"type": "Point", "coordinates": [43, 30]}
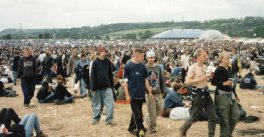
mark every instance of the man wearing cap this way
{"type": "Point", "coordinates": [102, 86]}
{"type": "Point", "coordinates": [157, 83]}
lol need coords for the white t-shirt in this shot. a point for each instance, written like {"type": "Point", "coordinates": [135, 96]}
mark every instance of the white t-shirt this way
{"type": "Point", "coordinates": [185, 61]}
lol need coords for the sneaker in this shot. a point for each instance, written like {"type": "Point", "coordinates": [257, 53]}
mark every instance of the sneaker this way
{"type": "Point", "coordinates": [111, 123]}
{"type": "Point", "coordinates": [95, 122]}
{"type": "Point", "coordinates": [133, 131]}
{"type": "Point", "coordinates": [41, 134]}
{"type": "Point", "coordinates": [26, 105]}
{"type": "Point", "coordinates": [153, 132]}
{"type": "Point", "coordinates": [141, 133]}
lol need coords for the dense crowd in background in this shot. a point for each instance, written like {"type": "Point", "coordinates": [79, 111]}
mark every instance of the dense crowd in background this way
{"type": "Point", "coordinates": [55, 62]}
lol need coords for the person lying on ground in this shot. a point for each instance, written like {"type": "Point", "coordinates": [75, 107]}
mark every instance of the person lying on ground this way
{"type": "Point", "coordinates": [22, 128]}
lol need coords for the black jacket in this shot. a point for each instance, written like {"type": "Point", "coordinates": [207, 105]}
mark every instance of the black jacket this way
{"type": "Point", "coordinates": [27, 67]}
{"type": "Point", "coordinates": [102, 74]}
{"type": "Point", "coordinates": [60, 92]}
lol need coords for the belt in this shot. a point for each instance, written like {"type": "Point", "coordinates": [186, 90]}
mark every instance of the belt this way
{"type": "Point", "coordinates": [223, 92]}
{"type": "Point", "coordinates": [230, 94]}
{"type": "Point", "coordinates": [204, 92]}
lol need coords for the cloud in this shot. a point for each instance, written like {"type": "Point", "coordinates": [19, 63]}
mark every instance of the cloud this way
{"type": "Point", "coordinates": [77, 13]}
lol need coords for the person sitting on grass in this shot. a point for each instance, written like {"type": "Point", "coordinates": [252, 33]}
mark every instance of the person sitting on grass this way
{"type": "Point", "coordinates": [6, 93]}
{"type": "Point", "coordinates": [45, 93]}
{"type": "Point", "coordinates": [22, 127]}
{"type": "Point", "coordinates": [61, 94]}
{"type": "Point", "coordinates": [174, 97]}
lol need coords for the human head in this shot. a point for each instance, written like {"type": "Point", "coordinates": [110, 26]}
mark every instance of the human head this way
{"type": "Point", "coordinates": [101, 51]}
{"type": "Point", "coordinates": [224, 58]}
{"type": "Point", "coordinates": [83, 57]}
{"type": "Point", "coordinates": [202, 56]}
{"type": "Point", "coordinates": [138, 54]}
{"type": "Point", "coordinates": [27, 52]}
{"type": "Point", "coordinates": [59, 79]}
{"type": "Point", "coordinates": [180, 88]}
{"type": "Point", "coordinates": [150, 55]}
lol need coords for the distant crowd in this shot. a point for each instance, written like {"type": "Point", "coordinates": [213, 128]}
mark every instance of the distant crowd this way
{"type": "Point", "coordinates": [161, 73]}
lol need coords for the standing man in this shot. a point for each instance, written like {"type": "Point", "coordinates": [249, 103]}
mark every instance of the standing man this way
{"type": "Point", "coordinates": [27, 69]}
{"type": "Point", "coordinates": [135, 82]}
{"type": "Point", "coordinates": [103, 84]}
{"type": "Point", "coordinates": [156, 81]}
{"type": "Point", "coordinates": [185, 59]}
{"type": "Point", "coordinates": [47, 64]}
{"type": "Point", "coordinates": [201, 100]}
{"type": "Point", "coordinates": [15, 66]}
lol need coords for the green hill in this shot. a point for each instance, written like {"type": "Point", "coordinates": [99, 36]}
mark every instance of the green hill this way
{"type": "Point", "coordinates": [243, 27]}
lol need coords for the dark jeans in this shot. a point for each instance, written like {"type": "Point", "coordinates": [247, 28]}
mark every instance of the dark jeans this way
{"type": "Point", "coordinates": [28, 88]}
{"type": "Point", "coordinates": [7, 115]}
{"type": "Point", "coordinates": [184, 71]}
{"type": "Point", "coordinates": [200, 103]}
{"type": "Point", "coordinates": [136, 121]}
{"type": "Point", "coordinates": [47, 74]}
{"type": "Point", "coordinates": [48, 99]}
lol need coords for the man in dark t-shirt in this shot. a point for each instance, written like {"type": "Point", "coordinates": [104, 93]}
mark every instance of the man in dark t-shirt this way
{"type": "Point", "coordinates": [135, 82]}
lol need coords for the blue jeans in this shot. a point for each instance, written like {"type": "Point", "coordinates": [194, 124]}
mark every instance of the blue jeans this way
{"type": "Point", "coordinates": [28, 88]}
{"type": "Point", "coordinates": [30, 122]}
{"type": "Point", "coordinates": [14, 77]}
{"type": "Point", "coordinates": [47, 99]}
{"type": "Point", "coordinates": [82, 87]}
{"type": "Point", "coordinates": [103, 96]}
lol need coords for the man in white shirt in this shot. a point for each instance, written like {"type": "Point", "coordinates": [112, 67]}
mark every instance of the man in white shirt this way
{"type": "Point", "coordinates": [185, 59]}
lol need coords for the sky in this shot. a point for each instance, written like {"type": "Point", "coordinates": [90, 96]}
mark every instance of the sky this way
{"type": "Point", "coordinates": [39, 14]}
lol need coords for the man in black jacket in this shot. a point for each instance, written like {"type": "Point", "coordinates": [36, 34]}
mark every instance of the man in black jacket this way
{"type": "Point", "coordinates": [27, 69]}
{"type": "Point", "coordinates": [15, 66]}
{"type": "Point", "coordinates": [47, 65]}
{"type": "Point", "coordinates": [103, 83]}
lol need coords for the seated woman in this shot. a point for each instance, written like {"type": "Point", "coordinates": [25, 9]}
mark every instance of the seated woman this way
{"type": "Point", "coordinates": [22, 127]}
{"type": "Point", "coordinates": [6, 93]}
{"type": "Point", "coordinates": [61, 94]}
{"type": "Point", "coordinates": [45, 93]}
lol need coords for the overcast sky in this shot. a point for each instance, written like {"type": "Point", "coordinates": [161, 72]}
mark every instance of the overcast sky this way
{"type": "Point", "coordinates": [77, 13]}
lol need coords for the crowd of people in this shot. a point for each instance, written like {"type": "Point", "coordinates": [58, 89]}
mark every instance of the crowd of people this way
{"type": "Point", "coordinates": [135, 71]}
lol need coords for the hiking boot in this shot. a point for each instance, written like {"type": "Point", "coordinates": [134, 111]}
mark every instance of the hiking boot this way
{"type": "Point", "coordinates": [95, 122]}
{"type": "Point", "coordinates": [41, 134]}
{"type": "Point", "coordinates": [111, 123]}
{"type": "Point", "coordinates": [141, 133]}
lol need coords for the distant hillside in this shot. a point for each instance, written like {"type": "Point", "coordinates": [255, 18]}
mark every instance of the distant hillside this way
{"type": "Point", "coordinates": [244, 27]}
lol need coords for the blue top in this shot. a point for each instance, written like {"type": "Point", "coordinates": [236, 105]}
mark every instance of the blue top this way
{"type": "Point", "coordinates": [172, 100]}
{"type": "Point", "coordinates": [135, 75]}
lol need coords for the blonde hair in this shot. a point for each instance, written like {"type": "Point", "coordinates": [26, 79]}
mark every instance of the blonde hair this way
{"type": "Point", "coordinates": [28, 50]}
{"type": "Point", "coordinates": [223, 54]}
